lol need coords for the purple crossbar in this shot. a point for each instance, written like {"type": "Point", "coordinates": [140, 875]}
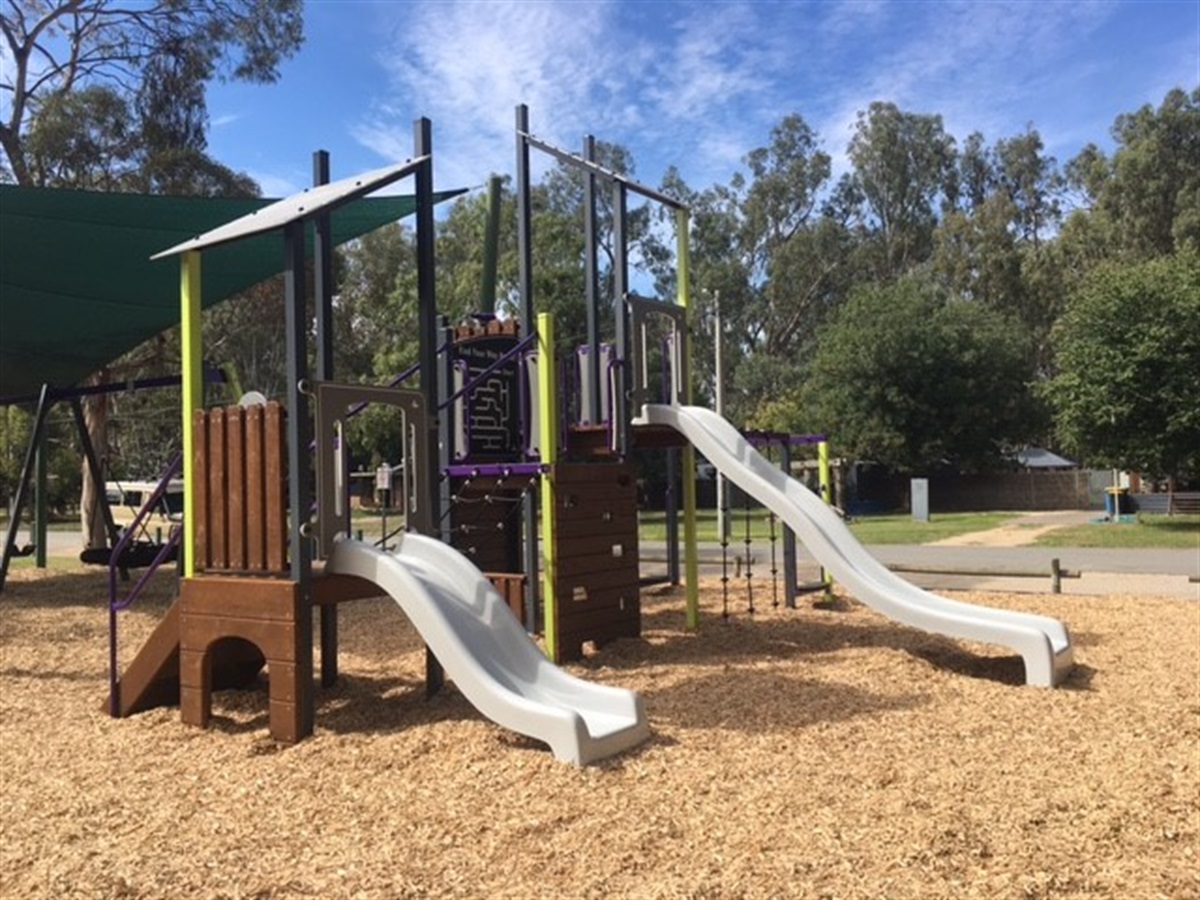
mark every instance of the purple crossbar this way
{"type": "Point", "coordinates": [495, 470]}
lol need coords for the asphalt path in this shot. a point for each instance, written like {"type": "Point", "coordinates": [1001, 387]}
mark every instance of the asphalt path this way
{"type": "Point", "coordinates": [1150, 572]}
{"type": "Point", "coordinates": [1149, 561]}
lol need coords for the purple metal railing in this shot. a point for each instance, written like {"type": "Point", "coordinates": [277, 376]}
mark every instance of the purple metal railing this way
{"type": "Point", "coordinates": [116, 604]}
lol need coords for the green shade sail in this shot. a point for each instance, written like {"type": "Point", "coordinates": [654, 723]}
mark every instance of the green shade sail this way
{"type": "Point", "coordinates": [78, 287]}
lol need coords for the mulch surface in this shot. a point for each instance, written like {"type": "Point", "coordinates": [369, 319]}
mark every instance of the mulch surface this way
{"type": "Point", "coordinates": [809, 753]}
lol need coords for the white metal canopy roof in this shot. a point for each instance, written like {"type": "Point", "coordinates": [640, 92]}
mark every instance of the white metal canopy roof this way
{"type": "Point", "coordinates": [303, 205]}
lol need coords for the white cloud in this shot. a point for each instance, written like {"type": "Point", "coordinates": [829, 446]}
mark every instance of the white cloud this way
{"type": "Point", "coordinates": [700, 85]}
{"type": "Point", "coordinates": [690, 77]}
{"type": "Point", "coordinates": [274, 184]}
{"type": "Point", "coordinates": [467, 66]}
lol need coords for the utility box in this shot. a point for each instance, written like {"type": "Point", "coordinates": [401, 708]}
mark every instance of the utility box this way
{"type": "Point", "coordinates": [920, 499]}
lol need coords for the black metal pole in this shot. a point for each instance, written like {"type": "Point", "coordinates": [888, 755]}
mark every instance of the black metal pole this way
{"type": "Point", "coordinates": [592, 286]}
{"type": "Point", "coordinates": [427, 315]}
{"type": "Point", "coordinates": [14, 519]}
{"type": "Point", "coordinates": [323, 292]}
{"type": "Point", "coordinates": [323, 274]}
{"type": "Point", "coordinates": [428, 329]}
{"type": "Point", "coordinates": [529, 516]}
{"type": "Point", "coordinates": [491, 249]}
{"type": "Point", "coordinates": [620, 399]}
{"type": "Point", "coordinates": [789, 539]}
{"type": "Point", "coordinates": [299, 434]}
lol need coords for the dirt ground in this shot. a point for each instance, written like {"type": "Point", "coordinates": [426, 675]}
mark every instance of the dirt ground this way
{"type": "Point", "coordinates": [1022, 531]}
{"type": "Point", "coordinates": [810, 753]}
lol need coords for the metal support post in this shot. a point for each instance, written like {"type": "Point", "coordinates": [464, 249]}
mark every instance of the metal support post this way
{"type": "Point", "coordinates": [789, 538]}
{"type": "Point", "coordinates": [299, 434]}
{"type": "Point", "coordinates": [592, 287]}
{"type": "Point", "coordinates": [436, 446]}
{"type": "Point", "coordinates": [620, 275]}
{"type": "Point", "coordinates": [529, 509]}
{"type": "Point", "coordinates": [41, 506]}
{"type": "Point", "coordinates": [323, 292]}
{"type": "Point", "coordinates": [14, 521]}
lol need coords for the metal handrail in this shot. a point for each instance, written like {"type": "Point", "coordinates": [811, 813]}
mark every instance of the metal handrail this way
{"type": "Point", "coordinates": [115, 604]}
{"type": "Point", "coordinates": [517, 348]}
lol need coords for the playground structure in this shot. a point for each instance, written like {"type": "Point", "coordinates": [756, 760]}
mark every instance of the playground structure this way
{"type": "Point", "coordinates": [487, 434]}
{"type": "Point", "coordinates": [253, 572]}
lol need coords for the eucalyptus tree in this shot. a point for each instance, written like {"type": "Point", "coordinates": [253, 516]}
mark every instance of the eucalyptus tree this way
{"type": "Point", "coordinates": [902, 163]}
{"type": "Point", "coordinates": [992, 244]}
{"type": "Point", "coordinates": [110, 96]}
{"type": "Point", "coordinates": [769, 247]}
{"type": "Point", "coordinates": [162, 52]}
{"type": "Point", "coordinates": [1148, 192]}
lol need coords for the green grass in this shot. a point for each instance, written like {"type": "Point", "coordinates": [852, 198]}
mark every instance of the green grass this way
{"type": "Point", "coordinates": [1168, 532]}
{"type": "Point", "coordinates": [652, 526]}
{"type": "Point", "coordinates": [898, 529]}
{"type": "Point", "coordinates": [903, 529]}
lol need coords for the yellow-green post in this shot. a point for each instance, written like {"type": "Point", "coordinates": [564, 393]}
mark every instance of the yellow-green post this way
{"type": "Point", "coordinates": [691, 561]}
{"type": "Point", "coordinates": [193, 394]}
{"type": "Point", "coordinates": [826, 492]}
{"type": "Point", "coordinates": [548, 446]}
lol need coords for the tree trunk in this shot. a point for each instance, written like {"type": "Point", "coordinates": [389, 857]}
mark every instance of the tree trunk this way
{"type": "Point", "coordinates": [95, 417]}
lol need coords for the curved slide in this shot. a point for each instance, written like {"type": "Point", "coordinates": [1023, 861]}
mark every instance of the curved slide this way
{"type": "Point", "coordinates": [488, 655]}
{"type": "Point", "coordinates": [1043, 643]}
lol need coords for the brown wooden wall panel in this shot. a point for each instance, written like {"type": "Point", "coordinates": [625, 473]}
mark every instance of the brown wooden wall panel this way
{"type": "Point", "coordinates": [240, 598]}
{"type": "Point", "coordinates": [597, 590]}
{"type": "Point", "coordinates": [256, 492]}
{"type": "Point", "coordinates": [511, 587]}
{"type": "Point", "coordinates": [580, 616]}
{"type": "Point", "coordinates": [616, 577]}
{"type": "Point", "coordinates": [198, 493]}
{"type": "Point", "coordinates": [603, 544]}
{"type": "Point", "coordinates": [240, 462]}
{"type": "Point", "coordinates": [275, 482]}
{"type": "Point", "coordinates": [218, 491]}
{"type": "Point", "coordinates": [235, 459]}
{"type": "Point", "coordinates": [268, 614]}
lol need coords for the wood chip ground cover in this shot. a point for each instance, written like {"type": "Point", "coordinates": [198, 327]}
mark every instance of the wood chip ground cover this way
{"type": "Point", "coordinates": [808, 753]}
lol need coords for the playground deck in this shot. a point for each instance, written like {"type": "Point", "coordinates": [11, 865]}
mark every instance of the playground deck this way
{"type": "Point", "coordinates": [808, 753]}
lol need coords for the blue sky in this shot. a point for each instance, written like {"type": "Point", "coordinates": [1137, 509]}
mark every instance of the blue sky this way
{"type": "Point", "coordinates": [697, 85]}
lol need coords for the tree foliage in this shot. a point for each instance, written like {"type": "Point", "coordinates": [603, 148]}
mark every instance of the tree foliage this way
{"type": "Point", "coordinates": [161, 53]}
{"type": "Point", "coordinates": [912, 379]}
{"type": "Point", "coordinates": [1129, 367]}
{"type": "Point", "coordinates": [110, 96]}
{"type": "Point", "coordinates": [902, 165]}
{"type": "Point", "coordinates": [1147, 195]}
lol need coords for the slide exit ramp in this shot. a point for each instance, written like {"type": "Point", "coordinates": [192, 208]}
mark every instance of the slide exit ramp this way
{"type": "Point", "coordinates": [488, 655]}
{"type": "Point", "coordinates": [1043, 643]}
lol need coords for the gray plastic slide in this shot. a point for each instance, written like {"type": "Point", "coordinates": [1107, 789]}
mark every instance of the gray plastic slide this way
{"type": "Point", "coordinates": [1043, 643]}
{"type": "Point", "coordinates": [488, 655]}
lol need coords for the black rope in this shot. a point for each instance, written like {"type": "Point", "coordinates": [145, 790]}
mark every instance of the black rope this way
{"type": "Point", "coordinates": [774, 568]}
{"type": "Point", "coordinates": [749, 584]}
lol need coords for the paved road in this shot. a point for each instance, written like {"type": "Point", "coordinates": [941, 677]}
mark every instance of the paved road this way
{"type": "Point", "coordinates": [1151, 561]}
{"type": "Point", "coordinates": [1149, 572]}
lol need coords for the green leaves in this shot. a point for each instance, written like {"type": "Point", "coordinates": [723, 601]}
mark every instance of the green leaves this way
{"type": "Point", "coordinates": [912, 379]}
{"type": "Point", "coordinates": [1127, 394]}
